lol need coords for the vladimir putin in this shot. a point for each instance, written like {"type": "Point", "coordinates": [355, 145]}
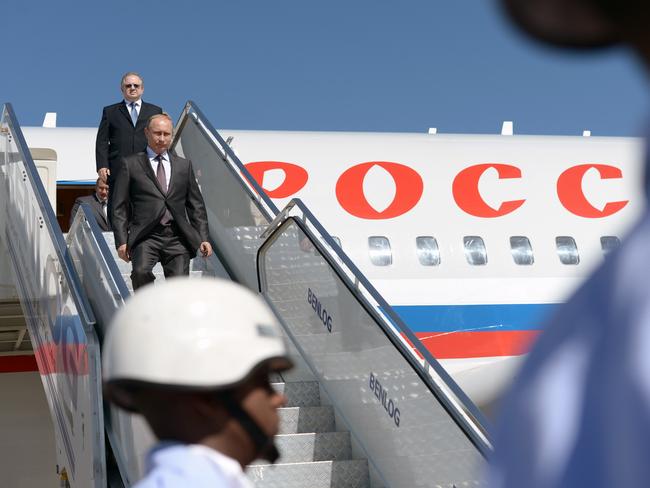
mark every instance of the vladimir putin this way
{"type": "Point", "coordinates": [158, 211]}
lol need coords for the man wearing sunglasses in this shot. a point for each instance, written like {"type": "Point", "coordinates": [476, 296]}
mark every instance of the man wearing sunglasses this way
{"type": "Point", "coordinates": [121, 130]}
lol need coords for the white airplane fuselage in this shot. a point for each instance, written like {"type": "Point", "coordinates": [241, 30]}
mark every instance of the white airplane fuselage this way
{"type": "Point", "coordinates": [474, 239]}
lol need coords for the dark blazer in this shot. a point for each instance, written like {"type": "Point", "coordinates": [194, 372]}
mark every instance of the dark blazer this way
{"type": "Point", "coordinates": [139, 203]}
{"type": "Point", "coordinates": [117, 137]}
{"type": "Point", "coordinates": [97, 209]}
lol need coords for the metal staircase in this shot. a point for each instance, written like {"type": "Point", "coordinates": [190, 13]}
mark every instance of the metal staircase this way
{"type": "Point", "coordinates": [365, 408]}
{"type": "Point", "coordinates": [312, 452]}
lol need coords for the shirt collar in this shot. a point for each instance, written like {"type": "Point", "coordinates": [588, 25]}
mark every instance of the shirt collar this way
{"type": "Point", "coordinates": [137, 103]}
{"type": "Point", "coordinates": [151, 154]}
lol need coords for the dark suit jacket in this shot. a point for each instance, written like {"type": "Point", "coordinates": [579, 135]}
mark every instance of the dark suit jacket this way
{"type": "Point", "coordinates": [139, 203]}
{"type": "Point", "coordinates": [117, 137]}
{"type": "Point", "coordinates": [96, 206]}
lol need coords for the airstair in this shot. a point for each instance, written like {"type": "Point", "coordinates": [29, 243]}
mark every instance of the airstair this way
{"type": "Point", "coordinates": [368, 404]}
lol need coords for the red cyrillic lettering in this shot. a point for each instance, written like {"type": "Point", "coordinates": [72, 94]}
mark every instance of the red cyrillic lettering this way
{"type": "Point", "coordinates": [408, 190]}
{"type": "Point", "coordinates": [295, 177]}
{"type": "Point", "coordinates": [468, 197]}
{"type": "Point", "coordinates": [569, 191]}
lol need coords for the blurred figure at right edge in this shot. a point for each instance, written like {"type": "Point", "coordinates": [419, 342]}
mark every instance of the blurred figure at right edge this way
{"type": "Point", "coordinates": [578, 414]}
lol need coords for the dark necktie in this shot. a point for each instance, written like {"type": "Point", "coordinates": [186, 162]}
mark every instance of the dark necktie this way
{"type": "Point", "coordinates": [134, 114]}
{"type": "Point", "coordinates": [162, 180]}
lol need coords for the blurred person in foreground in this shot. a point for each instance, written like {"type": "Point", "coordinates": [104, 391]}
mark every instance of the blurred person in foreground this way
{"type": "Point", "coordinates": [578, 414]}
{"type": "Point", "coordinates": [194, 358]}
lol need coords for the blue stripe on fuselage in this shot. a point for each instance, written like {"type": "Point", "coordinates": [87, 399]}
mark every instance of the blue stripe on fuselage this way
{"type": "Point", "coordinates": [468, 318]}
{"type": "Point", "coordinates": [75, 182]}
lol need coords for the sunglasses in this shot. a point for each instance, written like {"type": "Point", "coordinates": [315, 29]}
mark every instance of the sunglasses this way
{"type": "Point", "coordinates": [131, 85]}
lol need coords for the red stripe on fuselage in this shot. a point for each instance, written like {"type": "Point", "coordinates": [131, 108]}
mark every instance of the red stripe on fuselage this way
{"type": "Point", "coordinates": [462, 345]}
{"type": "Point", "coordinates": [69, 359]}
{"type": "Point", "coordinates": [18, 364]}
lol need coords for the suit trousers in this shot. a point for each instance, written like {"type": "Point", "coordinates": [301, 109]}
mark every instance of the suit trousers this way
{"type": "Point", "coordinates": [164, 245]}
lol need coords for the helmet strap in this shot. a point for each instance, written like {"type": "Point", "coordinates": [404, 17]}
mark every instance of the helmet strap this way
{"type": "Point", "coordinates": [264, 445]}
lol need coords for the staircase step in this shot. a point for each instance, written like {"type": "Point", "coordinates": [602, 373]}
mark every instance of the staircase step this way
{"type": "Point", "coordinates": [323, 446]}
{"type": "Point", "coordinates": [297, 420]}
{"type": "Point", "coordinates": [322, 474]}
{"type": "Point", "coordinates": [300, 393]}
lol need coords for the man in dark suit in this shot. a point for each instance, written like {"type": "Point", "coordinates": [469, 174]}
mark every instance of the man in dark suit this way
{"type": "Point", "coordinates": [121, 130]}
{"type": "Point", "coordinates": [157, 207]}
{"type": "Point", "coordinates": [98, 203]}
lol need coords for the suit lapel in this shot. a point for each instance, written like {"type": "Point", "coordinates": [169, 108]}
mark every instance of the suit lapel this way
{"type": "Point", "coordinates": [125, 112]}
{"type": "Point", "coordinates": [99, 209]}
{"type": "Point", "coordinates": [148, 170]}
{"type": "Point", "coordinates": [143, 115]}
{"type": "Point", "coordinates": [174, 169]}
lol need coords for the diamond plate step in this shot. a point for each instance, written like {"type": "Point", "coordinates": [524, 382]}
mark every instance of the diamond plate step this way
{"type": "Point", "coordinates": [324, 446]}
{"type": "Point", "coordinates": [322, 474]}
{"type": "Point", "coordinates": [299, 393]}
{"type": "Point", "coordinates": [297, 420]}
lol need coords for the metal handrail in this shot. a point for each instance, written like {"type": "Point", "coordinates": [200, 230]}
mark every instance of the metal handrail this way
{"type": "Point", "coordinates": [226, 150]}
{"type": "Point", "coordinates": [476, 429]}
{"type": "Point", "coordinates": [50, 221]}
{"type": "Point", "coordinates": [109, 265]}
{"type": "Point", "coordinates": [118, 287]}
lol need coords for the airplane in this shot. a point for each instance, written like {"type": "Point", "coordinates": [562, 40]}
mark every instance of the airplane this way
{"type": "Point", "coordinates": [473, 239]}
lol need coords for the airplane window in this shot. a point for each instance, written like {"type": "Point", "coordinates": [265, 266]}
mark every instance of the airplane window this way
{"type": "Point", "coordinates": [567, 250]}
{"type": "Point", "coordinates": [427, 249]}
{"type": "Point", "coordinates": [609, 244]}
{"type": "Point", "coordinates": [338, 241]}
{"type": "Point", "coordinates": [475, 252]}
{"type": "Point", "coordinates": [522, 251]}
{"type": "Point", "coordinates": [380, 252]}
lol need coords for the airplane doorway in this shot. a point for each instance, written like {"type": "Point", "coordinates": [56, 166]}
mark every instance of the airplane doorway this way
{"type": "Point", "coordinates": [65, 197]}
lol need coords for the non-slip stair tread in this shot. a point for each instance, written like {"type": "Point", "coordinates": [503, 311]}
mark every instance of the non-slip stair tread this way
{"type": "Point", "coordinates": [320, 474]}
{"type": "Point", "coordinates": [299, 393]}
{"type": "Point", "coordinates": [308, 447]}
{"type": "Point", "coordinates": [295, 420]}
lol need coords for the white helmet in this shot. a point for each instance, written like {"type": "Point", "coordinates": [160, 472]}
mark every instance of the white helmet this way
{"type": "Point", "coordinates": [202, 334]}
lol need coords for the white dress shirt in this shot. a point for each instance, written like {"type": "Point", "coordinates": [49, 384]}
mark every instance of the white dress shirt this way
{"type": "Point", "coordinates": [138, 105]}
{"type": "Point", "coordinates": [165, 160]}
{"type": "Point", "coordinates": [171, 465]}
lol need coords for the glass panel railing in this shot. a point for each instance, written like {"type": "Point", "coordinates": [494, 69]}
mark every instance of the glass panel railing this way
{"type": "Point", "coordinates": [415, 425]}
{"type": "Point", "coordinates": [58, 316]}
{"type": "Point", "coordinates": [106, 290]}
{"type": "Point", "coordinates": [238, 209]}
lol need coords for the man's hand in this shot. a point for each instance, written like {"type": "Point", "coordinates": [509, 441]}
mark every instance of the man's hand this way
{"type": "Point", "coordinates": [103, 173]}
{"type": "Point", "coordinates": [205, 249]}
{"type": "Point", "coordinates": [123, 253]}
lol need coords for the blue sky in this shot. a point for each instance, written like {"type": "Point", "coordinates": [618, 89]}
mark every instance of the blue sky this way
{"type": "Point", "coordinates": [362, 65]}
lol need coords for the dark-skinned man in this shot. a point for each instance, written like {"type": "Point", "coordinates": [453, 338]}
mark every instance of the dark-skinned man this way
{"type": "Point", "coordinates": [194, 358]}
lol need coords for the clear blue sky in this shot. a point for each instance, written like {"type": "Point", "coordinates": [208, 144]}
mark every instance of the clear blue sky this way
{"type": "Point", "coordinates": [368, 65]}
